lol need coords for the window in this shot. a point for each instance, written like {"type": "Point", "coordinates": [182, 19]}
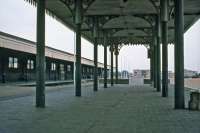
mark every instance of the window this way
{"type": "Point", "coordinates": [61, 67]}
{"type": "Point", "coordinates": [53, 66]}
{"type": "Point", "coordinates": [30, 64]}
{"type": "Point", "coordinates": [12, 62]}
{"type": "Point", "coordinates": [68, 68]}
{"type": "Point", "coordinates": [83, 69]}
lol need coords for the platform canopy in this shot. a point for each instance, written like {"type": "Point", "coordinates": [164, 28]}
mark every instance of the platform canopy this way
{"type": "Point", "coordinates": [124, 21]}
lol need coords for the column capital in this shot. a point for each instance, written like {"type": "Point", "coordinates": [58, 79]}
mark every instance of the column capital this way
{"type": "Point", "coordinates": [111, 48]}
{"type": "Point", "coordinates": [116, 50]}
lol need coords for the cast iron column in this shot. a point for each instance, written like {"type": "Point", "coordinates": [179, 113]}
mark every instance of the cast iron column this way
{"type": "Point", "coordinates": [158, 54]}
{"type": "Point", "coordinates": [40, 55]}
{"type": "Point", "coordinates": [78, 21]}
{"type": "Point", "coordinates": [95, 65]}
{"type": "Point", "coordinates": [164, 17]}
{"type": "Point", "coordinates": [95, 32]}
{"type": "Point", "coordinates": [151, 63]}
{"type": "Point", "coordinates": [116, 63]}
{"type": "Point", "coordinates": [179, 55]}
{"type": "Point", "coordinates": [155, 56]}
{"type": "Point", "coordinates": [105, 61]}
{"type": "Point", "coordinates": [111, 52]}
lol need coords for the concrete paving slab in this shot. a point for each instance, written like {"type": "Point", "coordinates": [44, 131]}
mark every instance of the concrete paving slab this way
{"type": "Point", "coordinates": [118, 109]}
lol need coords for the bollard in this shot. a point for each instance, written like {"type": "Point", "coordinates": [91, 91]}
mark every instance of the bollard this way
{"type": "Point", "coordinates": [194, 103]}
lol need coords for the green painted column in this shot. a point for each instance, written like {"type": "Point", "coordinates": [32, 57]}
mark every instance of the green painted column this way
{"type": "Point", "coordinates": [155, 56]}
{"type": "Point", "coordinates": [111, 78]}
{"type": "Point", "coordinates": [158, 66]}
{"type": "Point", "coordinates": [78, 72]}
{"type": "Point", "coordinates": [151, 63]}
{"type": "Point", "coordinates": [78, 21]}
{"type": "Point", "coordinates": [179, 55]}
{"type": "Point", "coordinates": [158, 60]}
{"type": "Point", "coordinates": [155, 63]}
{"type": "Point", "coordinates": [95, 65]}
{"type": "Point", "coordinates": [164, 18]}
{"type": "Point", "coordinates": [164, 60]}
{"type": "Point", "coordinates": [116, 63]}
{"type": "Point", "coordinates": [40, 55]}
{"type": "Point", "coordinates": [95, 34]}
{"type": "Point", "coordinates": [105, 61]}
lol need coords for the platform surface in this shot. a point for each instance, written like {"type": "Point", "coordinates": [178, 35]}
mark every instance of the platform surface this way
{"type": "Point", "coordinates": [118, 109]}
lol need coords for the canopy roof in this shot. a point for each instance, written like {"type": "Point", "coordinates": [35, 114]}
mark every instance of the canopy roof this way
{"type": "Point", "coordinates": [128, 22]}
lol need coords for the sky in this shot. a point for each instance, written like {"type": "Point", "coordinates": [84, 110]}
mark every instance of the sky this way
{"type": "Point", "coordinates": [19, 18]}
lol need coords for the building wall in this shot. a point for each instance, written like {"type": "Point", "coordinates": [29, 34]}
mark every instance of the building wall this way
{"type": "Point", "coordinates": [24, 50]}
{"type": "Point", "coordinates": [22, 73]}
{"type": "Point", "coordinates": [19, 44]}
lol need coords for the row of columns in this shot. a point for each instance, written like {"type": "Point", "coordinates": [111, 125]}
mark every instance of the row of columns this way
{"type": "Point", "coordinates": [179, 54]}
{"type": "Point", "coordinates": [162, 19]}
{"type": "Point", "coordinates": [113, 50]}
{"type": "Point", "coordinates": [78, 21]}
{"type": "Point", "coordinates": [40, 55]}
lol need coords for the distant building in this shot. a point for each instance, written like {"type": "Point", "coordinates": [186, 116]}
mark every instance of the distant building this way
{"type": "Point", "coordinates": [190, 73]}
{"type": "Point", "coordinates": [146, 73]}
{"type": "Point", "coordinates": [142, 73]}
{"type": "Point", "coordinates": [187, 74]}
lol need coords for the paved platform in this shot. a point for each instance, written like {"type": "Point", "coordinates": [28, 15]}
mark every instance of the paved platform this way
{"type": "Point", "coordinates": [21, 89]}
{"type": "Point", "coordinates": [119, 109]}
{"type": "Point", "coordinates": [47, 83]}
